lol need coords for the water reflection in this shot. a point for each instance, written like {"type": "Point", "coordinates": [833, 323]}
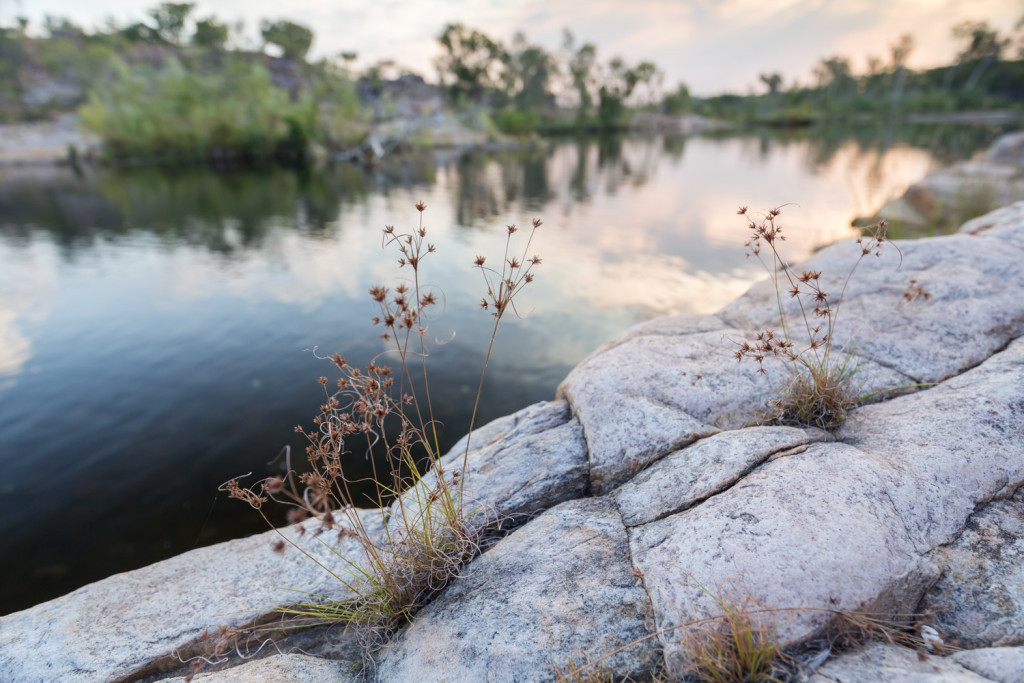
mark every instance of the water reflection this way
{"type": "Point", "coordinates": [156, 326]}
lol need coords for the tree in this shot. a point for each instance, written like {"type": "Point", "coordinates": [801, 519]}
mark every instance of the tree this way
{"type": "Point", "coordinates": [527, 72]}
{"type": "Point", "coordinates": [170, 18]}
{"type": "Point", "coordinates": [210, 34]}
{"type": "Point", "coordinates": [678, 102]}
{"type": "Point", "coordinates": [140, 33]}
{"type": "Point", "coordinates": [772, 81]}
{"type": "Point", "coordinates": [582, 63]}
{"type": "Point", "coordinates": [982, 46]}
{"type": "Point", "coordinates": [472, 62]}
{"type": "Point", "coordinates": [899, 52]}
{"type": "Point", "coordinates": [618, 83]}
{"type": "Point", "coordinates": [293, 39]}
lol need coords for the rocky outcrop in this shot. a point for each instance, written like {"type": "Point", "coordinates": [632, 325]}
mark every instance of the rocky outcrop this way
{"type": "Point", "coordinates": [949, 196]}
{"type": "Point", "coordinates": [642, 494]}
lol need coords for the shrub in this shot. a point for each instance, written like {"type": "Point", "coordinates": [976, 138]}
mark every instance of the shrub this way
{"type": "Point", "coordinates": [822, 388]}
{"type": "Point", "coordinates": [172, 111]}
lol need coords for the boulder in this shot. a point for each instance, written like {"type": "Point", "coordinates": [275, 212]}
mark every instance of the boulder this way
{"type": "Point", "coordinates": [517, 466]}
{"type": "Point", "coordinates": [1002, 224]}
{"type": "Point", "coordinates": [949, 196]}
{"type": "Point", "coordinates": [810, 530]}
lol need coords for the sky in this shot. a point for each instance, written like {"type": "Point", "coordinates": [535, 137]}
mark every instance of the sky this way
{"type": "Point", "coordinates": [712, 46]}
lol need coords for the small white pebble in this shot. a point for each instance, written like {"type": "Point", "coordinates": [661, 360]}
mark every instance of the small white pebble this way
{"type": "Point", "coordinates": [930, 637]}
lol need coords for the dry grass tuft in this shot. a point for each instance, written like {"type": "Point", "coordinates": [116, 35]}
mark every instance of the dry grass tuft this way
{"type": "Point", "coordinates": [823, 387]}
{"type": "Point", "coordinates": [737, 646]}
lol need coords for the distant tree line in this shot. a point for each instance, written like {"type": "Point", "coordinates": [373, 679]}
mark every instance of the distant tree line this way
{"type": "Point", "coordinates": [177, 81]}
{"type": "Point", "coordinates": [988, 72]}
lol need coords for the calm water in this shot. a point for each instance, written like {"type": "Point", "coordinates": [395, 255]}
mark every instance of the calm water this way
{"type": "Point", "coordinates": [157, 327]}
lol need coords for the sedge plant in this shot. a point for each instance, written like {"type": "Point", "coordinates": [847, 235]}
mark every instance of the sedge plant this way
{"type": "Point", "coordinates": [823, 386]}
{"type": "Point", "coordinates": [429, 529]}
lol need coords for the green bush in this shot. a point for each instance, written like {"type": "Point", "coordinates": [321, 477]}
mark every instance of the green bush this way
{"type": "Point", "coordinates": [141, 111]}
{"type": "Point", "coordinates": [517, 122]}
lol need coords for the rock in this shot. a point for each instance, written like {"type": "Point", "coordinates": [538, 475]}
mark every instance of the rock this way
{"type": "Point", "coordinates": [973, 310]}
{"type": "Point", "coordinates": [656, 393]}
{"type": "Point", "coordinates": [561, 587]}
{"type": "Point", "coordinates": [1002, 224]}
{"type": "Point", "coordinates": [687, 476]}
{"type": "Point", "coordinates": [663, 326]}
{"type": "Point", "coordinates": [945, 450]}
{"type": "Point", "coordinates": [518, 465]}
{"type": "Point", "coordinates": [1008, 149]}
{"type": "Point", "coordinates": [815, 529]}
{"type": "Point", "coordinates": [980, 599]}
{"type": "Point", "coordinates": [949, 196]}
{"type": "Point", "coordinates": [131, 624]}
{"type": "Point", "coordinates": [294, 668]}
{"type": "Point", "coordinates": [1002, 664]}
{"type": "Point", "coordinates": [880, 662]}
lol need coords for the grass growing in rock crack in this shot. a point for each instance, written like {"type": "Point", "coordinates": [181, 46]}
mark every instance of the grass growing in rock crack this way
{"type": "Point", "coordinates": [427, 536]}
{"type": "Point", "coordinates": [740, 644]}
{"type": "Point", "coordinates": [823, 386]}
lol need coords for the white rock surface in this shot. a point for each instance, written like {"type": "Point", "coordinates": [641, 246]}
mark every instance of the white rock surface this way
{"type": "Point", "coordinates": [561, 587]}
{"type": "Point", "coordinates": [1001, 224]}
{"type": "Point", "coordinates": [878, 663]}
{"type": "Point", "coordinates": [980, 599]}
{"type": "Point", "coordinates": [687, 476]}
{"type": "Point", "coordinates": [131, 623]}
{"type": "Point", "coordinates": [294, 668]}
{"type": "Point", "coordinates": [945, 450]}
{"type": "Point", "coordinates": [814, 529]}
{"type": "Point", "coordinates": [523, 464]}
{"type": "Point", "coordinates": [1002, 664]}
{"type": "Point", "coordinates": [975, 306]}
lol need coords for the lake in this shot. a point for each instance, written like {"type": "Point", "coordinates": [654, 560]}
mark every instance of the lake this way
{"type": "Point", "coordinates": [158, 328]}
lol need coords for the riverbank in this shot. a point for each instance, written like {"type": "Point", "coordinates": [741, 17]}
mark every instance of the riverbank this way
{"type": "Point", "coordinates": [641, 479]}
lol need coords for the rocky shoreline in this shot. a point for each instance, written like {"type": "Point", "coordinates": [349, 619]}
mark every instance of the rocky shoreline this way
{"type": "Point", "coordinates": [642, 483]}
{"type": "Point", "coordinates": [638, 480]}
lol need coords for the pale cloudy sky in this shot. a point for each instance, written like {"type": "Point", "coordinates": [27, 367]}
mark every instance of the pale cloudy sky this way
{"type": "Point", "coordinates": [711, 45]}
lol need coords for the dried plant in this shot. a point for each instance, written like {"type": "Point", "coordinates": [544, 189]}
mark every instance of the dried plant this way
{"type": "Point", "coordinates": [427, 537]}
{"type": "Point", "coordinates": [822, 387]}
{"type": "Point", "coordinates": [738, 646]}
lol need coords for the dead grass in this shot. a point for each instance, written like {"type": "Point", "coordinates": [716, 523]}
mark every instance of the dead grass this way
{"type": "Point", "coordinates": [426, 536]}
{"type": "Point", "coordinates": [823, 387]}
